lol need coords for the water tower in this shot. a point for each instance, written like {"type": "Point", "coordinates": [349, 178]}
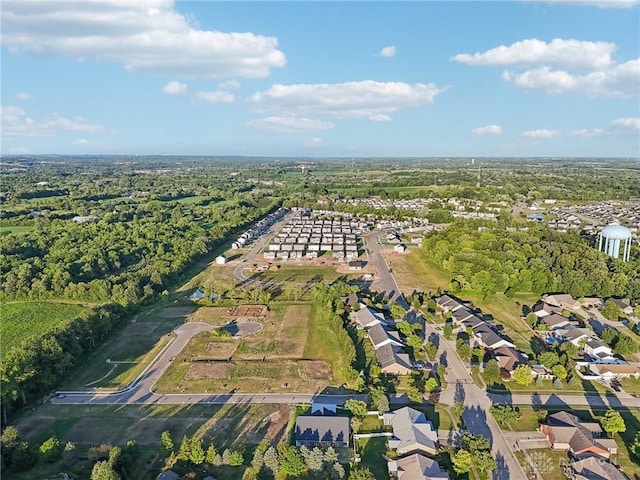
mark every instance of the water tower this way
{"type": "Point", "coordinates": [614, 236]}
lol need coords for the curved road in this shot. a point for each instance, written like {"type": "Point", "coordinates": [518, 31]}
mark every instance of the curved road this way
{"type": "Point", "coordinates": [141, 389]}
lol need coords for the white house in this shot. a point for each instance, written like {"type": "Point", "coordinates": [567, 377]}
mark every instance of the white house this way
{"type": "Point", "coordinates": [221, 260]}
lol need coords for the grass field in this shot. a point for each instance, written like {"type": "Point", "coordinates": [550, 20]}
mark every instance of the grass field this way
{"type": "Point", "coordinates": [17, 229]}
{"type": "Point", "coordinates": [372, 451]}
{"type": "Point", "coordinates": [301, 274]}
{"type": "Point", "coordinates": [192, 200]}
{"type": "Point", "coordinates": [21, 320]}
{"type": "Point", "coordinates": [292, 353]}
{"type": "Point", "coordinates": [225, 426]}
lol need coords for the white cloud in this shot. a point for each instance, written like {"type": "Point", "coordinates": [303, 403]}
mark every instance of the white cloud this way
{"type": "Point", "coordinates": [541, 133]}
{"type": "Point", "coordinates": [389, 51]}
{"type": "Point", "coordinates": [81, 142]}
{"type": "Point", "coordinates": [487, 130]}
{"type": "Point", "coordinates": [23, 96]}
{"type": "Point", "coordinates": [141, 35]}
{"type": "Point", "coordinates": [175, 88]}
{"type": "Point", "coordinates": [289, 124]}
{"type": "Point", "coordinates": [217, 96]}
{"type": "Point", "coordinates": [560, 53]}
{"type": "Point", "coordinates": [314, 142]}
{"type": "Point", "coordinates": [380, 117]}
{"type": "Point", "coordinates": [15, 123]}
{"type": "Point", "coordinates": [588, 132]}
{"type": "Point", "coordinates": [618, 81]}
{"type": "Point", "coordinates": [630, 123]}
{"type": "Point", "coordinates": [18, 150]}
{"type": "Point", "coordinates": [593, 3]}
{"type": "Point", "coordinates": [365, 98]}
{"type": "Point", "coordinates": [229, 85]}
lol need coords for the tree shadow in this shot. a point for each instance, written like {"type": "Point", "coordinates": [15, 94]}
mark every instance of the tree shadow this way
{"type": "Point", "coordinates": [501, 472]}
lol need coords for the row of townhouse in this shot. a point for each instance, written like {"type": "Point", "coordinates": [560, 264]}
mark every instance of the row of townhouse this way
{"type": "Point", "coordinates": [488, 336]}
{"type": "Point", "coordinates": [258, 229]}
{"type": "Point", "coordinates": [599, 360]}
{"type": "Point", "coordinates": [386, 342]}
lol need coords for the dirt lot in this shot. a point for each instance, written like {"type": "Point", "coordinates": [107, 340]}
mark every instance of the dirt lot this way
{"type": "Point", "coordinates": [214, 370]}
{"type": "Point", "coordinates": [217, 351]}
{"type": "Point", "coordinates": [316, 369]}
{"type": "Point", "coordinates": [254, 311]}
{"type": "Point", "coordinates": [211, 316]}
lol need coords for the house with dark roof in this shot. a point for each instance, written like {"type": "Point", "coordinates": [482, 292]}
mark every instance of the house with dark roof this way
{"type": "Point", "coordinates": [322, 430]}
{"type": "Point", "coordinates": [366, 318]}
{"type": "Point", "coordinates": [381, 336]}
{"type": "Point", "coordinates": [416, 467]}
{"type": "Point", "coordinates": [542, 309]}
{"type": "Point", "coordinates": [472, 322]}
{"type": "Point", "coordinates": [555, 321]}
{"type": "Point", "coordinates": [489, 338]}
{"type": "Point", "coordinates": [597, 349]}
{"type": "Point", "coordinates": [593, 468]}
{"type": "Point", "coordinates": [565, 431]}
{"type": "Point", "coordinates": [461, 314]}
{"type": "Point", "coordinates": [412, 432]}
{"type": "Point", "coordinates": [562, 300]}
{"type": "Point", "coordinates": [394, 360]}
{"type": "Point", "coordinates": [448, 303]}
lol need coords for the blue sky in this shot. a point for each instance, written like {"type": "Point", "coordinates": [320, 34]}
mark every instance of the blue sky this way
{"type": "Point", "coordinates": [510, 78]}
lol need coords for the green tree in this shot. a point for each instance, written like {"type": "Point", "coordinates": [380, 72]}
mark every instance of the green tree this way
{"type": "Point", "coordinates": [397, 311]}
{"type": "Point", "coordinates": [504, 413]}
{"type": "Point", "coordinates": [236, 459]}
{"type": "Point", "coordinates": [549, 359]}
{"type": "Point", "coordinates": [609, 336]}
{"type": "Point", "coordinates": [184, 452]}
{"type": "Point", "coordinates": [358, 408]}
{"type": "Point", "coordinates": [464, 350]}
{"type": "Point", "coordinates": [532, 319]}
{"type": "Point", "coordinates": [196, 454]}
{"type": "Point", "coordinates": [612, 422]}
{"type": "Point", "coordinates": [625, 345]}
{"type": "Point", "coordinates": [167, 441]}
{"type": "Point", "coordinates": [447, 331]}
{"type": "Point", "coordinates": [431, 385]}
{"type": "Point", "coordinates": [211, 455]}
{"type": "Point", "coordinates": [292, 463]}
{"type": "Point", "coordinates": [23, 457]}
{"type": "Point", "coordinates": [635, 447]}
{"type": "Point", "coordinates": [431, 350]}
{"type": "Point", "coordinates": [414, 395]}
{"type": "Point", "coordinates": [611, 310]}
{"type": "Point", "coordinates": [337, 471]}
{"type": "Point", "coordinates": [104, 471]}
{"type": "Point", "coordinates": [492, 371]}
{"type": "Point", "coordinates": [461, 461]}
{"type": "Point", "coordinates": [522, 375]}
{"type": "Point", "coordinates": [361, 473]}
{"type": "Point", "coordinates": [457, 410]}
{"type": "Point", "coordinates": [560, 372]}
{"type": "Point", "coordinates": [483, 461]}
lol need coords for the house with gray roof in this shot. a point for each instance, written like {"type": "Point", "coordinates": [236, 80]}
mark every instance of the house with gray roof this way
{"type": "Point", "coordinates": [393, 360]}
{"type": "Point", "coordinates": [412, 432]}
{"type": "Point", "coordinates": [381, 336]}
{"type": "Point", "coordinates": [320, 430]}
{"type": "Point", "coordinates": [366, 318]}
{"type": "Point", "coordinates": [592, 468]}
{"type": "Point", "coordinates": [565, 431]}
{"type": "Point", "coordinates": [416, 467]}
{"type": "Point", "coordinates": [489, 338]}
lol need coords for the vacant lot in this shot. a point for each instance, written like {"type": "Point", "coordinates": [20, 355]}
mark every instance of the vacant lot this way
{"type": "Point", "coordinates": [225, 426]}
{"type": "Point", "coordinates": [302, 274]}
{"type": "Point", "coordinates": [23, 319]}
{"type": "Point", "coordinates": [211, 315]}
{"type": "Point", "coordinates": [276, 358]}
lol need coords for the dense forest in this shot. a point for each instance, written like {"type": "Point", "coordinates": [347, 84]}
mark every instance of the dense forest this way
{"type": "Point", "coordinates": [486, 259]}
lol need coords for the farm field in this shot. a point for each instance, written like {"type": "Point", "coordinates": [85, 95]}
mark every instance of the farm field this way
{"type": "Point", "coordinates": [225, 426]}
{"type": "Point", "coordinates": [22, 319]}
{"type": "Point", "coordinates": [278, 358]}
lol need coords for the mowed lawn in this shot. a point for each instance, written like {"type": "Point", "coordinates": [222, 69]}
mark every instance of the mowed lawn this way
{"type": "Point", "coordinates": [301, 274]}
{"type": "Point", "coordinates": [21, 320]}
{"type": "Point", "coordinates": [17, 229]}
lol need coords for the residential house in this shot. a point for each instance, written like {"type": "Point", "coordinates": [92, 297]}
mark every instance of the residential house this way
{"type": "Point", "coordinates": [575, 335]}
{"type": "Point", "coordinates": [624, 304]}
{"type": "Point", "coordinates": [322, 430]}
{"type": "Point", "coordinates": [381, 336]}
{"type": "Point", "coordinates": [416, 467]}
{"type": "Point", "coordinates": [448, 303]}
{"type": "Point", "coordinates": [400, 248]}
{"type": "Point", "coordinates": [366, 318]}
{"type": "Point", "coordinates": [562, 300]}
{"type": "Point", "coordinates": [412, 432]}
{"type": "Point", "coordinates": [593, 468]}
{"type": "Point", "coordinates": [472, 322]}
{"type": "Point", "coordinates": [461, 314]}
{"type": "Point", "coordinates": [393, 360]}
{"type": "Point", "coordinates": [609, 371]}
{"type": "Point", "coordinates": [555, 321]}
{"type": "Point", "coordinates": [357, 265]}
{"type": "Point", "coordinates": [565, 431]}
{"type": "Point", "coordinates": [540, 371]}
{"type": "Point", "coordinates": [591, 302]}
{"type": "Point", "coordinates": [597, 349]}
{"type": "Point", "coordinates": [489, 338]}
{"type": "Point", "coordinates": [509, 358]}
{"type": "Point", "coordinates": [542, 309]}
{"type": "Point", "coordinates": [221, 260]}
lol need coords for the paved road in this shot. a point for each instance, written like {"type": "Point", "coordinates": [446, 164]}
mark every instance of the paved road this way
{"type": "Point", "coordinates": [476, 415]}
{"type": "Point", "coordinates": [386, 281]}
{"type": "Point", "coordinates": [258, 244]}
{"type": "Point", "coordinates": [141, 389]}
